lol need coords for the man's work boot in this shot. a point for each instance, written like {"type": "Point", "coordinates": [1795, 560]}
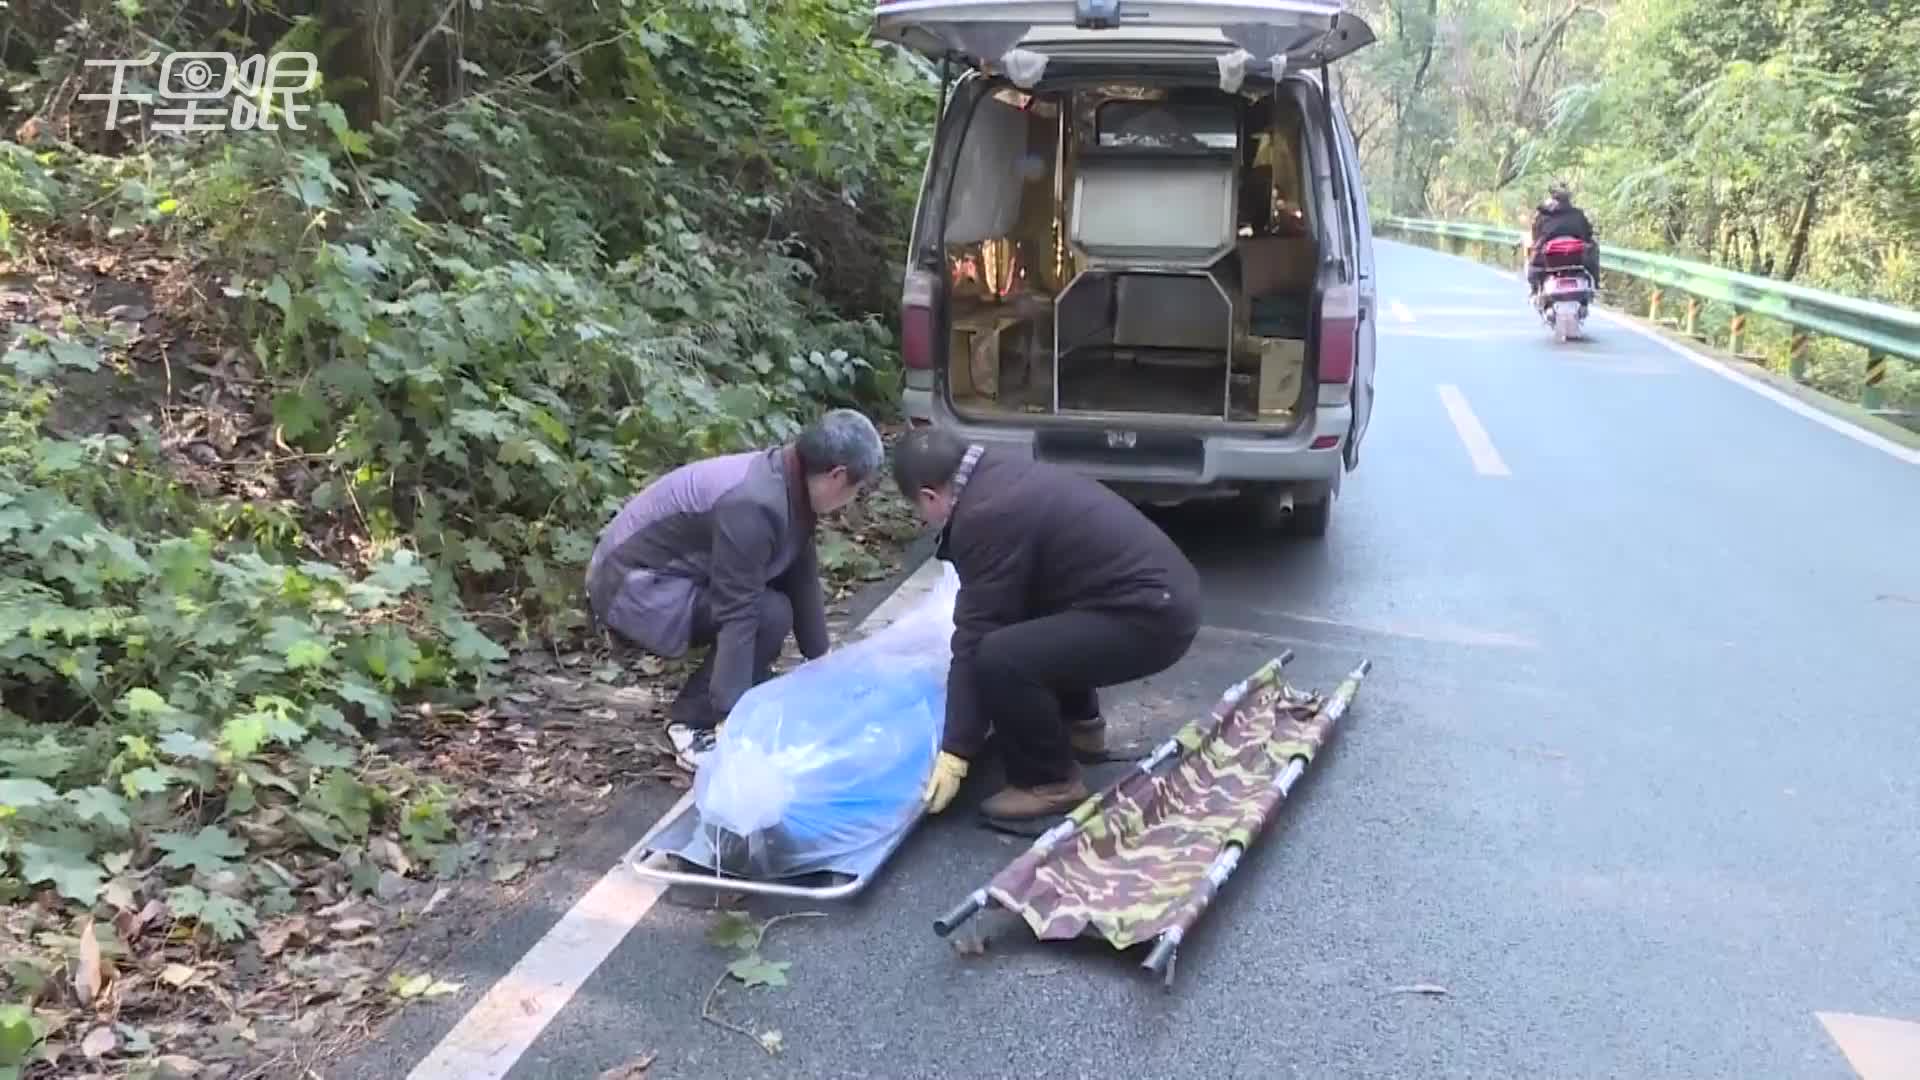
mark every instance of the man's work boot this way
{"type": "Point", "coordinates": [1046, 800]}
{"type": "Point", "coordinates": [1089, 738]}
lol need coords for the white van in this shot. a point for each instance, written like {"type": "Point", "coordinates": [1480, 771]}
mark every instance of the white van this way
{"type": "Point", "coordinates": [1142, 248]}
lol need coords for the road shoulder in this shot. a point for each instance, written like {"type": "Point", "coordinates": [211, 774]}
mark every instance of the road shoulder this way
{"type": "Point", "coordinates": [481, 958]}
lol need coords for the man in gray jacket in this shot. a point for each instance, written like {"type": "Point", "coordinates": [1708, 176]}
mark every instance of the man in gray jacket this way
{"type": "Point", "coordinates": [720, 552]}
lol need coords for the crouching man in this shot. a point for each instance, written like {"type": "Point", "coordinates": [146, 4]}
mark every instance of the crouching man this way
{"type": "Point", "coordinates": [721, 553]}
{"type": "Point", "coordinates": [1064, 587]}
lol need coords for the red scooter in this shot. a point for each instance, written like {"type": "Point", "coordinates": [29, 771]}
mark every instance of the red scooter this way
{"type": "Point", "coordinates": [1568, 288]}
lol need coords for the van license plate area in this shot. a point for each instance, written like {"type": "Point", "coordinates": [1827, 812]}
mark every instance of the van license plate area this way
{"type": "Point", "coordinates": [1131, 449]}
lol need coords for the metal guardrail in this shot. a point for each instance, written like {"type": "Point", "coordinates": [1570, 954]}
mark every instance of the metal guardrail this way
{"type": "Point", "coordinates": [1883, 330]}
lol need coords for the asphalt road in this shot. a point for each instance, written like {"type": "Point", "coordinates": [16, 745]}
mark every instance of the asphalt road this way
{"type": "Point", "coordinates": [1634, 780]}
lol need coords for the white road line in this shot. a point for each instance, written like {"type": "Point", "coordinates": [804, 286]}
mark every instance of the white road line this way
{"type": "Point", "coordinates": [1486, 460]}
{"type": "Point", "coordinates": [1779, 397]}
{"type": "Point", "coordinates": [1774, 394]}
{"type": "Point", "coordinates": [1400, 311]}
{"type": "Point", "coordinates": [492, 1036]}
{"type": "Point", "coordinates": [1877, 1047]}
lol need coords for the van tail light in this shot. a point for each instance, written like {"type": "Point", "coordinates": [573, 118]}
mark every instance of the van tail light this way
{"type": "Point", "coordinates": [916, 320]}
{"type": "Point", "coordinates": [1339, 326]}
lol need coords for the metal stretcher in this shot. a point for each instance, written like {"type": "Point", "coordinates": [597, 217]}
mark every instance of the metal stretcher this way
{"type": "Point", "coordinates": [1140, 860]}
{"type": "Point", "coordinates": [679, 834]}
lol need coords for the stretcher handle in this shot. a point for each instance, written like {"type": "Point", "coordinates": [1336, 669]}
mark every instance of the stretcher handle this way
{"type": "Point", "coordinates": [962, 911]}
{"type": "Point", "coordinates": [1160, 961]}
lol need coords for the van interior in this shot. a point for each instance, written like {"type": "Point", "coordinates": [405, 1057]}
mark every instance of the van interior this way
{"type": "Point", "coordinates": [1130, 251]}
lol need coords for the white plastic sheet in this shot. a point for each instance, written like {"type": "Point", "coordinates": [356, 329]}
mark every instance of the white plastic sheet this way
{"type": "Point", "coordinates": [823, 766]}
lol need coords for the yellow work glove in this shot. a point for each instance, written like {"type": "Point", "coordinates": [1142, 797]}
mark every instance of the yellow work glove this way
{"type": "Point", "coordinates": [948, 771]}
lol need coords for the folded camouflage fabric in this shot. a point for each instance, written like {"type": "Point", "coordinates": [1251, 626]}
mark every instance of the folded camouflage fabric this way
{"type": "Point", "coordinates": [1138, 860]}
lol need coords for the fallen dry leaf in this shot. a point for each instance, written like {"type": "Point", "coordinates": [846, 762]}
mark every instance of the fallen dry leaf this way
{"type": "Point", "coordinates": [274, 939]}
{"type": "Point", "coordinates": [345, 927]}
{"type": "Point", "coordinates": [178, 975]}
{"type": "Point", "coordinates": [633, 1070]}
{"type": "Point", "coordinates": [176, 1067]}
{"type": "Point", "coordinates": [87, 977]}
{"type": "Point", "coordinates": [307, 1024]}
{"type": "Point", "coordinates": [390, 853]}
{"type": "Point", "coordinates": [119, 895]}
{"type": "Point", "coordinates": [772, 1041]}
{"type": "Point", "coordinates": [154, 909]}
{"type": "Point", "coordinates": [99, 1042]}
{"type": "Point", "coordinates": [1429, 989]}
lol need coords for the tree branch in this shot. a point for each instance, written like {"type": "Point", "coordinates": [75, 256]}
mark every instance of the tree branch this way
{"type": "Point", "coordinates": [1552, 38]}
{"type": "Point", "coordinates": [413, 57]}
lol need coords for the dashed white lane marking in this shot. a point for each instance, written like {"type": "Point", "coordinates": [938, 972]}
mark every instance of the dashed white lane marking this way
{"type": "Point", "coordinates": [1401, 312]}
{"type": "Point", "coordinates": [492, 1036]}
{"type": "Point", "coordinates": [1876, 1047]}
{"type": "Point", "coordinates": [1486, 460]}
{"type": "Point", "coordinates": [1778, 397]}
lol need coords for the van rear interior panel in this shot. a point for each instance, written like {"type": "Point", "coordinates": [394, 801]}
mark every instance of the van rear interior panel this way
{"type": "Point", "coordinates": [1131, 250]}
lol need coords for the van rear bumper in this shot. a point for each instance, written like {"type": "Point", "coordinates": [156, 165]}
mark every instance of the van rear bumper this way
{"type": "Point", "coordinates": [1175, 466]}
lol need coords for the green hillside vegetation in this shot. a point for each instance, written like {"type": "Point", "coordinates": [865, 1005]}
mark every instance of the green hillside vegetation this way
{"type": "Point", "coordinates": [304, 435]}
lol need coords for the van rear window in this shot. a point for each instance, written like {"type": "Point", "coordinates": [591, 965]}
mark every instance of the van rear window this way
{"type": "Point", "coordinates": [1158, 125]}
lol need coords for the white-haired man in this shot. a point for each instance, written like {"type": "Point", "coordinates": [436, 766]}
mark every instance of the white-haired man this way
{"type": "Point", "coordinates": [721, 552]}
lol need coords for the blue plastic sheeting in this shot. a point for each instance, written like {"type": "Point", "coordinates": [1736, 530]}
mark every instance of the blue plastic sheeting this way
{"type": "Point", "coordinates": [820, 769]}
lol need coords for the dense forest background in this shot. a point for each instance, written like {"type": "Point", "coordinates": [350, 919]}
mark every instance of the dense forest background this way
{"type": "Point", "coordinates": [1780, 138]}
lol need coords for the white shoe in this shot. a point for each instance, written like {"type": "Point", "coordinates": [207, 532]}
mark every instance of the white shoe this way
{"type": "Point", "coordinates": [692, 746]}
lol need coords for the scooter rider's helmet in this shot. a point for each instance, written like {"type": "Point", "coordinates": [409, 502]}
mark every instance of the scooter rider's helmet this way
{"type": "Point", "coordinates": [1559, 192]}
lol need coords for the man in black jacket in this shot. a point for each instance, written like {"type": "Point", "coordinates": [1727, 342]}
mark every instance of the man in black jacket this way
{"type": "Point", "coordinates": [1559, 217]}
{"type": "Point", "coordinates": [1064, 587]}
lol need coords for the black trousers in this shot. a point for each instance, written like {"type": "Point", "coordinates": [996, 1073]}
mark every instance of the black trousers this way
{"type": "Point", "coordinates": [774, 612]}
{"type": "Point", "coordinates": [1037, 677]}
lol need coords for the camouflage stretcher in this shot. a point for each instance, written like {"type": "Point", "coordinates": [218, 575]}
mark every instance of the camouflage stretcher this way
{"type": "Point", "coordinates": [1140, 860]}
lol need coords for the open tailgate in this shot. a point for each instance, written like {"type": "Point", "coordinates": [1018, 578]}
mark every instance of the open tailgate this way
{"type": "Point", "coordinates": [978, 33]}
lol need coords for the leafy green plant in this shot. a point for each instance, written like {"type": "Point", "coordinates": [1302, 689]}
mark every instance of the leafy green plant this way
{"type": "Point", "coordinates": [466, 316]}
{"type": "Point", "coordinates": [20, 1035]}
{"type": "Point", "coordinates": [738, 932]}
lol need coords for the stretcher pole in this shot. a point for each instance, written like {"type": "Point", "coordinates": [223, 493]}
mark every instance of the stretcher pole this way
{"type": "Point", "coordinates": [979, 900]}
{"type": "Point", "coordinates": [1161, 958]}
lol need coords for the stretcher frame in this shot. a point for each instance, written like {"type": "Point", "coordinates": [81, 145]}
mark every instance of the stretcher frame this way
{"type": "Point", "coordinates": [1164, 949]}
{"type": "Point", "coordinates": [649, 862]}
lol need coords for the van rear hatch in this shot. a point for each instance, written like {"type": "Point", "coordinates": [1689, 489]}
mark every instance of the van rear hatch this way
{"type": "Point", "coordinates": [983, 33]}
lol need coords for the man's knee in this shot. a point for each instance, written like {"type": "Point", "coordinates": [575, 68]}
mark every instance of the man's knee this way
{"type": "Point", "coordinates": [997, 658]}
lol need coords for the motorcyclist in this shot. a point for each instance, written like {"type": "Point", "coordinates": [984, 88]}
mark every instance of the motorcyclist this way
{"type": "Point", "coordinates": [1556, 217]}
